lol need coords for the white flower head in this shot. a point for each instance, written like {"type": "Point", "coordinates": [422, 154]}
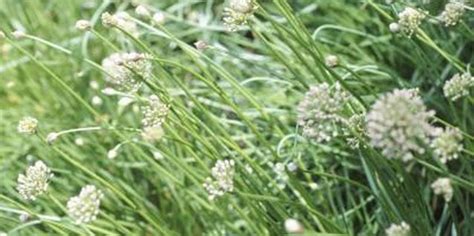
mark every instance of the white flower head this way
{"type": "Point", "coordinates": [222, 179]}
{"type": "Point", "coordinates": [448, 144]}
{"type": "Point", "coordinates": [398, 123]}
{"type": "Point", "coordinates": [403, 229]}
{"type": "Point", "coordinates": [127, 70]}
{"type": "Point", "coordinates": [410, 19]}
{"type": "Point", "coordinates": [442, 186]}
{"type": "Point", "coordinates": [35, 181]}
{"type": "Point", "coordinates": [453, 12]}
{"type": "Point", "coordinates": [83, 25]}
{"type": "Point", "coordinates": [155, 112]}
{"type": "Point", "coordinates": [293, 226]}
{"type": "Point", "coordinates": [319, 113]}
{"type": "Point", "coordinates": [109, 20]}
{"type": "Point", "coordinates": [2, 35]}
{"type": "Point", "coordinates": [458, 86]}
{"type": "Point", "coordinates": [27, 125]}
{"type": "Point", "coordinates": [238, 12]}
{"type": "Point", "coordinates": [84, 207]}
{"type": "Point", "coordinates": [152, 134]}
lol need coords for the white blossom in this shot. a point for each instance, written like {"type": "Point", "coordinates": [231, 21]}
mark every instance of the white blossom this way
{"type": "Point", "coordinates": [458, 86]}
{"type": "Point", "coordinates": [238, 12]}
{"type": "Point", "coordinates": [453, 12]}
{"type": "Point", "coordinates": [448, 144]}
{"type": "Point", "coordinates": [35, 181]}
{"type": "Point", "coordinates": [319, 113]}
{"type": "Point", "coordinates": [127, 70]}
{"type": "Point", "coordinates": [222, 179]}
{"type": "Point", "coordinates": [410, 19]}
{"type": "Point", "coordinates": [155, 112]}
{"type": "Point", "coordinates": [403, 229]}
{"type": "Point", "coordinates": [84, 207]}
{"type": "Point", "coordinates": [27, 125]}
{"type": "Point", "coordinates": [442, 186]}
{"type": "Point", "coordinates": [398, 123]}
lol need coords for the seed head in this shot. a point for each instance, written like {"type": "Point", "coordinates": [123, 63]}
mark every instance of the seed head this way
{"type": "Point", "coordinates": [398, 123]}
{"type": "Point", "coordinates": [127, 70]}
{"type": "Point", "coordinates": [453, 12]}
{"type": "Point", "coordinates": [27, 125]}
{"type": "Point", "coordinates": [319, 113]}
{"type": "Point", "coordinates": [458, 86]}
{"type": "Point", "coordinates": [221, 180]}
{"type": "Point", "coordinates": [442, 186]}
{"type": "Point", "coordinates": [403, 229]}
{"type": "Point", "coordinates": [410, 19]}
{"type": "Point", "coordinates": [35, 181]}
{"type": "Point", "coordinates": [83, 25]}
{"type": "Point", "coordinates": [84, 207]}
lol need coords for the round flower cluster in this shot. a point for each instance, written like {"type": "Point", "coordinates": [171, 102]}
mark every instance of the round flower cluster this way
{"type": "Point", "coordinates": [222, 180]}
{"type": "Point", "coordinates": [27, 125]}
{"type": "Point", "coordinates": [127, 70]}
{"type": "Point", "coordinates": [35, 181]}
{"type": "Point", "coordinates": [84, 208]}
{"type": "Point", "coordinates": [410, 19]}
{"type": "Point", "coordinates": [403, 229]}
{"type": "Point", "coordinates": [238, 13]}
{"type": "Point", "coordinates": [398, 123]}
{"type": "Point", "coordinates": [453, 11]}
{"type": "Point", "coordinates": [155, 112]}
{"type": "Point", "coordinates": [458, 86]}
{"type": "Point", "coordinates": [442, 186]}
{"type": "Point", "coordinates": [319, 113]}
{"type": "Point", "coordinates": [447, 144]}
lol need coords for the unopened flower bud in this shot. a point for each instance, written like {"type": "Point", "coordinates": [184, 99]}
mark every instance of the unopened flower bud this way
{"type": "Point", "coordinates": [83, 25]}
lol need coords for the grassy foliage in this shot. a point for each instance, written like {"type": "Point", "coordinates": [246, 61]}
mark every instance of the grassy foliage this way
{"type": "Point", "coordinates": [234, 100]}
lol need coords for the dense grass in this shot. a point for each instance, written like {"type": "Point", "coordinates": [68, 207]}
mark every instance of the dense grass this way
{"type": "Point", "coordinates": [235, 100]}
